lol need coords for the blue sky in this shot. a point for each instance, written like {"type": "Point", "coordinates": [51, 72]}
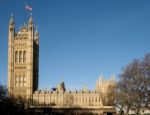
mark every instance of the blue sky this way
{"type": "Point", "coordinates": [80, 39]}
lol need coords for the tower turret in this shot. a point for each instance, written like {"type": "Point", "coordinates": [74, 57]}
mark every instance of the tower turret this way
{"type": "Point", "coordinates": [11, 22]}
{"type": "Point", "coordinates": [30, 27]}
{"type": "Point", "coordinates": [11, 27]}
{"type": "Point", "coordinates": [36, 36]}
{"type": "Point", "coordinates": [11, 35]}
{"type": "Point", "coordinates": [30, 20]}
{"type": "Point", "coordinates": [23, 65]}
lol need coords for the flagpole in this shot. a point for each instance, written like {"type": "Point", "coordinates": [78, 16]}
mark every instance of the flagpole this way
{"type": "Point", "coordinates": [25, 13]}
{"type": "Point", "coordinates": [27, 8]}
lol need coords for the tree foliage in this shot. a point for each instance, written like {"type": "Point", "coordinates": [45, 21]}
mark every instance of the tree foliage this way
{"type": "Point", "coordinates": [3, 92]}
{"type": "Point", "coordinates": [133, 87]}
{"type": "Point", "coordinates": [10, 105]}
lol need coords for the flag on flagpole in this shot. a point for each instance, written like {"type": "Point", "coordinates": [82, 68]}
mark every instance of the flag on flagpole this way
{"type": "Point", "coordinates": [27, 7]}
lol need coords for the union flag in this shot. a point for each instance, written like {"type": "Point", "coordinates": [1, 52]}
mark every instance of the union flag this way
{"type": "Point", "coordinates": [28, 8]}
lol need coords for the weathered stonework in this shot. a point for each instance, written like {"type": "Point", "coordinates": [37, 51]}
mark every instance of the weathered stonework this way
{"type": "Point", "coordinates": [23, 56]}
{"type": "Point", "coordinates": [23, 75]}
{"type": "Point", "coordinates": [84, 97]}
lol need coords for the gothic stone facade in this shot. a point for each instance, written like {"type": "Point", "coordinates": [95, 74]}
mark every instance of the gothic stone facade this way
{"type": "Point", "coordinates": [23, 56]}
{"type": "Point", "coordinates": [23, 74]}
{"type": "Point", "coordinates": [84, 97]}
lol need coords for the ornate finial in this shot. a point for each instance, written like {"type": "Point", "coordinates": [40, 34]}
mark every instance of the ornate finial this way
{"type": "Point", "coordinates": [11, 19]}
{"type": "Point", "coordinates": [101, 77]}
{"type": "Point", "coordinates": [30, 19]}
{"type": "Point", "coordinates": [36, 33]}
{"type": "Point", "coordinates": [36, 29]}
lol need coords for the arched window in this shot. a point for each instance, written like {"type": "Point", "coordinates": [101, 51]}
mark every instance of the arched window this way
{"type": "Point", "coordinates": [20, 56]}
{"type": "Point", "coordinates": [24, 56]}
{"type": "Point", "coordinates": [16, 56]}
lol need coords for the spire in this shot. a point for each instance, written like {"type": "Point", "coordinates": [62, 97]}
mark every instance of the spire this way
{"type": "Point", "coordinates": [11, 22]}
{"type": "Point", "coordinates": [30, 24]}
{"type": "Point", "coordinates": [36, 35]}
{"type": "Point", "coordinates": [113, 77]}
{"type": "Point", "coordinates": [36, 31]}
{"type": "Point", "coordinates": [30, 19]}
{"type": "Point", "coordinates": [100, 77]}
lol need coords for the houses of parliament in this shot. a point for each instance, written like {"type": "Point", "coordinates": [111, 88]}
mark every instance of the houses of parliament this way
{"type": "Point", "coordinates": [23, 76]}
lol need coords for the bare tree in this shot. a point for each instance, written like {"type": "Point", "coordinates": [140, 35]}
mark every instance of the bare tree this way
{"type": "Point", "coordinates": [133, 87]}
{"type": "Point", "coordinates": [10, 105]}
{"type": "Point", "coordinates": [108, 97]}
{"type": "Point", "coordinates": [146, 74]}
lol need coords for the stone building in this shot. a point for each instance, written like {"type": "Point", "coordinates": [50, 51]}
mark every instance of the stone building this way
{"type": "Point", "coordinates": [84, 97]}
{"type": "Point", "coordinates": [23, 75]}
{"type": "Point", "coordinates": [23, 59]}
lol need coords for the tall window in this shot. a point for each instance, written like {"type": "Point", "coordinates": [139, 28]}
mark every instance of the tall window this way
{"type": "Point", "coordinates": [24, 56]}
{"type": "Point", "coordinates": [20, 56]}
{"type": "Point", "coordinates": [16, 57]}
